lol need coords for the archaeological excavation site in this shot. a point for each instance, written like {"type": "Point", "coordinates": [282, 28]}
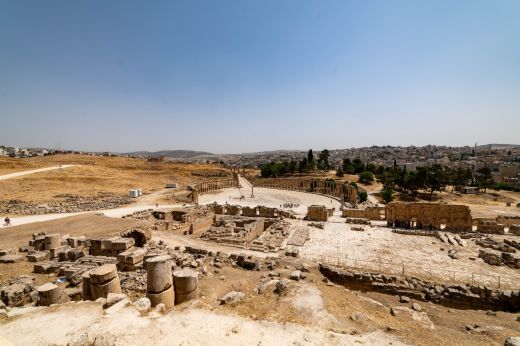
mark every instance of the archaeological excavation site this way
{"type": "Point", "coordinates": [224, 256]}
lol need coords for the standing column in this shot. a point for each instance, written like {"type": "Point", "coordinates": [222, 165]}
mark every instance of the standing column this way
{"type": "Point", "coordinates": [159, 282]}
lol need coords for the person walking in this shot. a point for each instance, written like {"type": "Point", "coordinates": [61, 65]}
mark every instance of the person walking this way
{"type": "Point", "coordinates": [7, 221]}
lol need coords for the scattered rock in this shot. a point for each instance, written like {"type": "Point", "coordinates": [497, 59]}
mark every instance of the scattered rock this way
{"type": "Point", "coordinates": [416, 307]}
{"type": "Point", "coordinates": [113, 298]}
{"type": "Point", "coordinates": [143, 305]}
{"type": "Point", "coordinates": [512, 341]}
{"type": "Point", "coordinates": [160, 308]}
{"type": "Point", "coordinates": [358, 316]}
{"type": "Point", "coordinates": [296, 275]}
{"type": "Point", "coordinates": [232, 298]}
{"type": "Point", "coordinates": [282, 286]}
{"type": "Point", "coordinates": [404, 299]}
{"type": "Point", "coordinates": [491, 313]}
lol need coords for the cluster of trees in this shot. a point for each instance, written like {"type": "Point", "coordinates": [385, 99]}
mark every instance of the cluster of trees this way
{"type": "Point", "coordinates": [307, 164]}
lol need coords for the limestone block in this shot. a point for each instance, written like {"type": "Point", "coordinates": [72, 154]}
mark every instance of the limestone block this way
{"type": "Point", "coordinates": [185, 281]}
{"type": "Point", "coordinates": [51, 294]}
{"type": "Point", "coordinates": [102, 290]}
{"type": "Point", "coordinates": [52, 241]}
{"type": "Point", "coordinates": [184, 297]}
{"type": "Point", "coordinates": [166, 297]}
{"type": "Point", "coordinates": [102, 274]}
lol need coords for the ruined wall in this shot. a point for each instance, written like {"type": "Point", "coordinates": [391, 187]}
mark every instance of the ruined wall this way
{"type": "Point", "coordinates": [201, 225]}
{"type": "Point", "coordinates": [485, 225]}
{"type": "Point", "coordinates": [260, 211]}
{"type": "Point", "coordinates": [318, 213]}
{"type": "Point", "coordinates": [508, 220]}
{"type": "Point", "coordinates": [429, 216]}
{"type": "Point", "coordinates": [456, 296]}
{"type": "Point", "coordinates": [514, 229]}
{"type": "Point", "coordinates": [371, 213]}
{"type": "Point", "coordinates": [333, 188]}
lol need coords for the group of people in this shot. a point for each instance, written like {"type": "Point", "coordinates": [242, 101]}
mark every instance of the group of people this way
{"type": "Point", "coordinates": [289, 205]}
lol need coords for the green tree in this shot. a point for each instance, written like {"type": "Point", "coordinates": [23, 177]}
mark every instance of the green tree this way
{"type": "Point", "coordinates": [436, 179]}
{"type": "Point", "coordinates": [483, 178]}
{"type": "Point", "coordinates": [366, 177]}
{"type": "Point", "coordinates": [303, 166]}
{"type": "Point", "coordinates": [323, 160]}
{"type": "Point", "coordinates": [362, 196]}
{"type": "Point", "coordinates": [359, 166]}
{"type": "Point", "coordinates": [310, 160]}
{"type": "Point", "coordinates": [339, 172]}
{"type": "Point", "coordinates": [387, 195]}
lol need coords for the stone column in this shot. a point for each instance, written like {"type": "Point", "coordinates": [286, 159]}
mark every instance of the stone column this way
{"type": "Point", "coordinates": [186, 285]}
{"type": "Point", "coordinates": [159, 283]}
{"type": "Point", "coordinates": [49, 294]}
{"type": "Point", "coordinates": [104, 280]}
{"type": "Point", "coordinates": [52, 241]}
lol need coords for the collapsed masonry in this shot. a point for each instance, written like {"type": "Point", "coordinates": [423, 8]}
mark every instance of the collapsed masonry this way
{"type": "Point", "coordinates": [338, 189]}
{"type": "Point", "coordinates": [188, 220]}
{"type": "Point", "coordinates": [456, 296]}
{"type": "Point", "coordinates": [260, 234]}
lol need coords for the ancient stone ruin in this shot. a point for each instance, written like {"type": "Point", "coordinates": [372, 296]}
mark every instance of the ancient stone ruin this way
{"type": "Point", "coordinates": [318, 213]}
{"type": "Point", "coordinates": [338, 189]}
{"type": "Point", "coordinates": [429, 216]}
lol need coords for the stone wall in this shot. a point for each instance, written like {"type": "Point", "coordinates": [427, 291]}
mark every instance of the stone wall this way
{"type": "Point", "coordinates": [429, 216]}
{"type": "Point", "coordinates": [508, 220]}
{"type": "Point", "coordinates": [337, 189]}
{"type": "Point", "coordinates": [514, 229]}
{"type": "Point", "coordinates": [489, 226]}
{"type": "Point", "coordinates": [318, 213]}
{"type": "Point", "coordinates": [201, 225]}
{"type": "Point", "coordinates": [371, 213]}
{"type": "Point", "coordinates": [455, 296]}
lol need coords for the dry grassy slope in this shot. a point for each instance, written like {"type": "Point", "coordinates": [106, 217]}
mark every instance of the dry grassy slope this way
{"type": "Point", "coordinates": [96, 174]}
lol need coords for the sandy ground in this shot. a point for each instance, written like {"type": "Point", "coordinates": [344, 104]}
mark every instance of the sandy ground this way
{"type": "Point", "coordinates": [190, 327]}
{"type": "Point", "coordinates": [378, 249]}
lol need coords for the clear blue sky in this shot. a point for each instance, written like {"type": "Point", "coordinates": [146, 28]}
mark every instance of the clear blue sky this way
{"type": "Point", "coordinates": [240, 76]}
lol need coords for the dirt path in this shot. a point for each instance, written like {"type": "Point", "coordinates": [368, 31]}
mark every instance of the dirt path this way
{"type": "Point", "coordinates": [116, 213]}
{"type": "Point", "coordinates": [33, 171]}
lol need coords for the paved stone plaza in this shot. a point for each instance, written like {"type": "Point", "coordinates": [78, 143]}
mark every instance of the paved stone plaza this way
{"type": "Point", "coordinates": [380, 250]}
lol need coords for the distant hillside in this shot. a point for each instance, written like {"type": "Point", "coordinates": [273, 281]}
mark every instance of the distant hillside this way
{"type": "Point", "coordinates": [176, 154]}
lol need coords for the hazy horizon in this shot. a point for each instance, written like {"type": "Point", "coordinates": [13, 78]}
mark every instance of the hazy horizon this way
{"type": "Point", "coordinates": [238, 77]}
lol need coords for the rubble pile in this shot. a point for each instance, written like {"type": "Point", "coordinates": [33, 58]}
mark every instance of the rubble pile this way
{"type": "Point", "coordinates": [457, 296]}
{"type": "Point", "coordinates": [67, 204]}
